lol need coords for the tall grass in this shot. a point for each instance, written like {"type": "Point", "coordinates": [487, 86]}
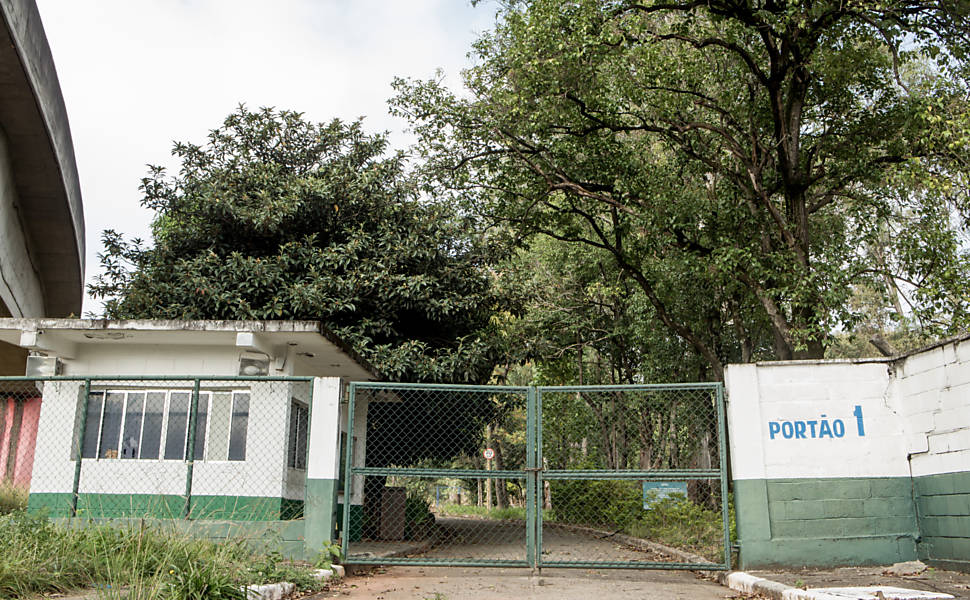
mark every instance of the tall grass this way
{"type": "Point", "coordinates": [12, 498]}
{"type": "Point", "coordinates": [513, 513]}
{"type": "Point", "coordinates": [40, 557]}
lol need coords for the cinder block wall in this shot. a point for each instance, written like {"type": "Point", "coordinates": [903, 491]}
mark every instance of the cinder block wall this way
{"type": "Point", "coordinates": [887, 480]}
{"type": "Point", "coordinates": [933, 401]}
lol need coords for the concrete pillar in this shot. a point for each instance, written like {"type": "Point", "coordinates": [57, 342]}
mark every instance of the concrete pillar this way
{"type": "Point", "coordinates": [322, 465]}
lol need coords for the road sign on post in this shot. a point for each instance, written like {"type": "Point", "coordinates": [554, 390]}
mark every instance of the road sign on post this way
{"type": "Point", "coordinates": [489, 454]}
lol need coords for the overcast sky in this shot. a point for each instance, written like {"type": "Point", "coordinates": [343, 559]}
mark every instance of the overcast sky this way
{"type": "Point", "coordinates": [138, 74]}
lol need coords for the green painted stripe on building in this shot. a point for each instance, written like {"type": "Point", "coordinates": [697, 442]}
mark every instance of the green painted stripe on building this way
{"type": "Point", "coordinates": [825, 521]}
{"type": "Point", "coordinates": [234, 508]}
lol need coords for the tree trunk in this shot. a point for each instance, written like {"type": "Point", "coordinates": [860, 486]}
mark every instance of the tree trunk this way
{"type": "Point", "coordinates": [501, 492]}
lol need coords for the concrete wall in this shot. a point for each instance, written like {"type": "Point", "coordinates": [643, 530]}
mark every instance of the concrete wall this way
{"type": "Point", "coordinates": [841, 462]}
{"type": "Point", "coordinates": [20, 287]}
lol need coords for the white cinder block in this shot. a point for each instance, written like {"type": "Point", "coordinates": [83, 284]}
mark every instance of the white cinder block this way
{"type": "Point", "coordinates": [923, 361]}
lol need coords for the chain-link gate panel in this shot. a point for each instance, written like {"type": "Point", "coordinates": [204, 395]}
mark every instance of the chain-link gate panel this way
{"type": "Point", "coordinates": [592, 476]}
{"type": "Point", "coordinates": [632, 477]}
{"type": "Point", "coordinates": [438, 475]}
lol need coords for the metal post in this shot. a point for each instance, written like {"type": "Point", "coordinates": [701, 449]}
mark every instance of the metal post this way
{"type": "Point", "coordinates": [722, 458]}
{"type": "Point", "coordinates": [531, 474]}
{"type": "Point", "coordinates": [190, 448]}
{"type": "Point", "coordinates": [349, 473]}
{"type": "Point", "coordinates": [540, 484]}
{"type": "Point", "coordinates": [79, 446]}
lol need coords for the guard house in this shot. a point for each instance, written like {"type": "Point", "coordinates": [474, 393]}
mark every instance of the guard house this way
{"type": "Point", "coordinates": [116, 438]}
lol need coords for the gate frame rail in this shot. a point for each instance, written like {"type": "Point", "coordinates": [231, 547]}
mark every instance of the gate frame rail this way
{"type": "Point", "coordinates": [535, 476]}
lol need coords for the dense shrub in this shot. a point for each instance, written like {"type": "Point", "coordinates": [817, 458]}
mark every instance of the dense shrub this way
{"type": "Point", "coordinates": [611, 503]}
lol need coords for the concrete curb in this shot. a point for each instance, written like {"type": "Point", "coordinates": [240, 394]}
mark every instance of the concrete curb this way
{"type": "Point", "coordinates": [284, 589]}
{"type": "Point", "coordinates": [740, 581]}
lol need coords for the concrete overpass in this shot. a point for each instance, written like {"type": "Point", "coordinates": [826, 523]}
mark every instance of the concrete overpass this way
{"type": "Point", "coordinates": [41, 216]}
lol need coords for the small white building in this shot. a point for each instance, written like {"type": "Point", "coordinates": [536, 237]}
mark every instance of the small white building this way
{"type": "Point", "coordinates": [115, 436]}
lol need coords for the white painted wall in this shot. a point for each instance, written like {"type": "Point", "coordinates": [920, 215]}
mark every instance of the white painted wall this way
{"type": "Point", "coordinates": [917, 406]}
{"type": "Point", "coordinates": [137, 359]}
{"type": "Point", "coordinates": [57, 429]}
{"type": "Point", "coordinates": [263, 473]}
{"type": "Point", "coordinates": [933, 399]}
{"type": "Point", "coordinates": [20, 287]}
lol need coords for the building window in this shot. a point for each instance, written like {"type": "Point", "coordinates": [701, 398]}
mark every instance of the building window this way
{"type": "Point", "coordinates": [148, 424]}
{"type": "Point", "coordinates": [299, 427]}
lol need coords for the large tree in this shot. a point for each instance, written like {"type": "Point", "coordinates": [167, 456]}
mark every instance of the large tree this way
{"type": "Point", "coordinates": [747, 162]}
{"type": "Point", "coordinates": [276, 217]}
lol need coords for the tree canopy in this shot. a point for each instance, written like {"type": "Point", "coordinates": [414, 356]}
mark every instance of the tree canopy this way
{"type": "Point", "coordinates": [276, 217]}
{"type": "Point", "coordinates": [746, 164]}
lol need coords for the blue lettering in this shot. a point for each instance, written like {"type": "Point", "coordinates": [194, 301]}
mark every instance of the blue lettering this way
{"type": "Point", "coordinates": [857, 413]}
{"type": "Point", "coordinates": [787, 430]}
{"type": "Point", "coordinates": [839, 427]}
{"type": "Point", "coordinates": [773, 429]}
{"type": "Point", "coordinates": [812, 425]}
{"type": "Point", "coordinates": [800, 430]}
{"type": "Point", "coordinates": [824, 429]}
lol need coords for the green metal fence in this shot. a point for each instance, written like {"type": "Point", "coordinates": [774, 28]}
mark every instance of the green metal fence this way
{"type": "Point", "coordinates": [220, 450]}
{"type": "Point", "coordinates": [590, 476]}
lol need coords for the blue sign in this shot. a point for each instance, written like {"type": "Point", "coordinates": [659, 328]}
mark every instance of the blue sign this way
{"type": "Point", "coordinates": [655, 491]}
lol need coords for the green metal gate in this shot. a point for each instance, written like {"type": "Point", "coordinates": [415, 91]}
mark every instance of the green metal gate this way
{"type": "Point", "coordinates": [630, 476]}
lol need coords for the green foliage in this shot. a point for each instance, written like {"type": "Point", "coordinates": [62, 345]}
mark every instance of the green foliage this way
{"type": "Point", "coordinates": [417, 516]}
{"type": "Point", "coordinates": [278, 218]}
{"type": "Point", "coordinates": [609, 503]}
{"type": "Point", "coordinates": [330, 555]}
{"type": "Point", "coordinates": [680, 523]}
{"type": "Point", "coordinates": [39, 557]}
{"type": "Point", "coordinates": [194, 579]}
{"type": "Point", "coordinates": [744, 166]}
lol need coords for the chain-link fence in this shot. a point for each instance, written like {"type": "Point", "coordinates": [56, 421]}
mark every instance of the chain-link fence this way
{"type": "Point", "coordinates": [616, 476]}
{"type": "Point", "coordinates": [637, 471]}
{"type": "Point", "coordinates": [441, 478]}
{"type": "Point", "coordinates": [202, 449]}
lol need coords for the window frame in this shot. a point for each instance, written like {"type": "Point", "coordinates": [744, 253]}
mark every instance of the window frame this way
{"type": "Point", "coordinates": [299, 408]}
{"type": "Point", "coordinates": [205, 395]}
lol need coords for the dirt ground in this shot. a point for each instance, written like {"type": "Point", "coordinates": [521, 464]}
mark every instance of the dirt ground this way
{"type": "Point", "coordinates": [461, 583]}
{"type": "Point", "coordinates": [931, 580]}
{"type": "Point", "coordinates": [479, 539]}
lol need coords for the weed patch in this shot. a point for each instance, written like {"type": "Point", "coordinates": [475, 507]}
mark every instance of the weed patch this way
{"type": "Point", "coordinates": [41, 557]}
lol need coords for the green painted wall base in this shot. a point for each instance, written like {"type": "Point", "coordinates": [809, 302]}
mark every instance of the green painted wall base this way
{"type": "Point", "coordinates": [234, 508]}
{"type": "Point", "coordinates": [825, 522]}
{"type": "Point", "coordinates": [943, 504]}
{"type": "Point", "coordinates": [356, 521]}
{"type": "Point", "coordinates": [321, 526]}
